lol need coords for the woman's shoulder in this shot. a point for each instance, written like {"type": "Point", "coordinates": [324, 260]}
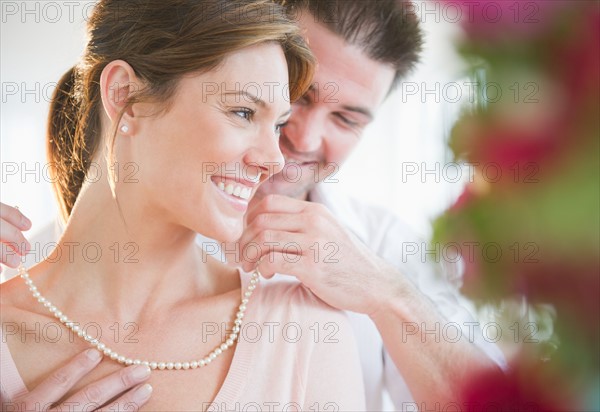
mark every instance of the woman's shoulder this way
{"type": "Point", "coordinates": [17, 303]}
{"type": "Point", "coordinates": [12, 293]}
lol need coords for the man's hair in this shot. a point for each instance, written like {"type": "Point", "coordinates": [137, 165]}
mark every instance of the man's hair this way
{"type": "Point", "coordinates": [388, 31]}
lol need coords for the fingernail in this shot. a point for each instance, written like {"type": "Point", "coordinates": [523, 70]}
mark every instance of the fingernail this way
{"type": "Point", "coordinates": [93, 354]}
{"type": "Point", "coordinates": [25, 223]}
{"type": "Point", "coordinates": [143, 392]}
{"type": "Point", "coordinates": [13, 261]}
{"type": "Point", "coordinates": [140, 372]}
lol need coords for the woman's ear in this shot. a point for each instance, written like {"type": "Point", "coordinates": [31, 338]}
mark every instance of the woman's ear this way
{"type": "Point", "coordinates": [118, 82]}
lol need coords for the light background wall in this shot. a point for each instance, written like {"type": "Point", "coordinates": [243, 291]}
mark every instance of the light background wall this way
{"type": "Point", "coordinates": [40, 40]}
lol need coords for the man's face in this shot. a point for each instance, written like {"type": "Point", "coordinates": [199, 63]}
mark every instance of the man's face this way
{"type": "Point", "coordinates": [328, 121]}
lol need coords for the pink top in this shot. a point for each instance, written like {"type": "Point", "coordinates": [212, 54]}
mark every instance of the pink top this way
{"type": "Point", "coordinates": [294, 353]}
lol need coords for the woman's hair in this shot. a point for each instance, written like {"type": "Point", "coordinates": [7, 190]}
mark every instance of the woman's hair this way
{"type": "Point", "coordinates": [162, 41]}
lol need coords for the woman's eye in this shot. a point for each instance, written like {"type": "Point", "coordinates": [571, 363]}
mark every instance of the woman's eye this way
{"type": "Point", "coordinates": [279, 127]}
{"type": "Point", "coordinates": [244, 113]}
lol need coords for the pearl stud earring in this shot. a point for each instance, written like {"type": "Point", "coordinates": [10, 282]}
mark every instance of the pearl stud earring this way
{"type": "Point", "coordinates": [124, 128]}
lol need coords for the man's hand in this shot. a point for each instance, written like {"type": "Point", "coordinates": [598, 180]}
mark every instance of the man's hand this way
{"type": "Point", "coordinates": [49, 395]}
{"type": "Point", "coordinates": [13, 244]}
{"type": "Point", "coordinates": [304, 239]}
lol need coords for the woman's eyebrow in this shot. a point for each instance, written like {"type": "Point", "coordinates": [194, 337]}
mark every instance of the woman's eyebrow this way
{"type": "Point", "coordinates": [252, 98]}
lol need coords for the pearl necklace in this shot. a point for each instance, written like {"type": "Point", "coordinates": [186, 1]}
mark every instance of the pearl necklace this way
{"type": "Point", "coordinates": [193, 364]}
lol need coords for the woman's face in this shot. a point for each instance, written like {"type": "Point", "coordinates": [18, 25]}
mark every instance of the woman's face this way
{"type": "Point", "coordinates": [200, 162]}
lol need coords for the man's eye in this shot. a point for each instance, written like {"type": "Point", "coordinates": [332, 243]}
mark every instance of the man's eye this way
{"type": "Point", "coordinates": [305, 99]}
{"type": "Point", "coordinates": [244, 113]}
{"type": "Point", "coordinates": [346, 121]}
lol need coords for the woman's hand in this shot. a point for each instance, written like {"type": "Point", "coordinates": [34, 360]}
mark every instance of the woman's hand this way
{"type": "Point", "coordinates": [13, 244]}
{"type": "Point", "coordinates": [48, 395]}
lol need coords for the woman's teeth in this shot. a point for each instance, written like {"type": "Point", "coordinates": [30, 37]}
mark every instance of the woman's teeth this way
{"type": "Point", "coordinates": [239, 191]}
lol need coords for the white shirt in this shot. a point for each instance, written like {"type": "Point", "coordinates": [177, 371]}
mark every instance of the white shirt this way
{"type": "Point", "coordinates": [392, 240]}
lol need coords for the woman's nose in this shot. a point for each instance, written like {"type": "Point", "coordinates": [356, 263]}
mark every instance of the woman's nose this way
{"type": "Point", "coordinates": [267, 154]}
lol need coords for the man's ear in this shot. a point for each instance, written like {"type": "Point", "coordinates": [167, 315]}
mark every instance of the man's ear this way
{"type": "Point", "coordinates": [118, 83]}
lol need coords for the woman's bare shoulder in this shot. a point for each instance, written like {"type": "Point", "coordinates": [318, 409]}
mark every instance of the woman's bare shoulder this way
{"type": "Point", "coordinates": [16, 300]}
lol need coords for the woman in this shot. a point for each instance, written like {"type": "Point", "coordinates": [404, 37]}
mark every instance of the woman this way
{"type": "Point", "coordinates": [165, 129]}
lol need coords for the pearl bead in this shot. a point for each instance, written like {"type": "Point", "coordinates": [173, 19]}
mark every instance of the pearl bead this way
{"type": "Point", "coordinates": [152, 365]}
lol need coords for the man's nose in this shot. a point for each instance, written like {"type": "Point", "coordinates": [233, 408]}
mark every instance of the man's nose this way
{"type": "Point", "coordinates": [305, 132]}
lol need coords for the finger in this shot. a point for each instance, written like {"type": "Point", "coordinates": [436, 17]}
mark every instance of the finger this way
{"type": "Point", "coordinates": [274, 221]}
{"type": "Point", "coordinates": [272, 241]}
{"type": "Point", "coordinates": [100, 392]}
{"type": "Point", "coordinates": [8, 256]}
{"type": "Point", "coordinates": [14, 216]}
{"type": "Point", "coordinates": [276, 204]}
{"type": "Point", "coordinates": [11, 235]}
{"type": "Point", "coordinates": [132, 400]}
{"type": "Point", "coordinates": [53, 388]}
{"type": "Point", "coordinates": [277, 262]}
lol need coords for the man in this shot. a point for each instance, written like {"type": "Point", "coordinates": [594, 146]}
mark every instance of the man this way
{"type": "Point", "coordinates": [350, 255]}
{"type": "Point", "coordinates": [363, 48]}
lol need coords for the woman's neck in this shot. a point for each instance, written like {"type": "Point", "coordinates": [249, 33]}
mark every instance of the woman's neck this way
{"type": "Point", "coordinates": [128, 260]}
